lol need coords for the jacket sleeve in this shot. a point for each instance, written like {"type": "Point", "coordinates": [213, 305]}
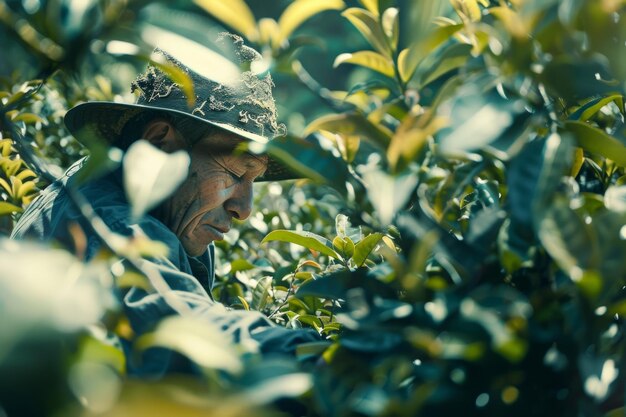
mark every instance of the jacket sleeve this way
{"type": "Point", "coordinates": [183, 295]}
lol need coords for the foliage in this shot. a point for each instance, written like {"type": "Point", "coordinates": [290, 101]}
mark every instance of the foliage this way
{"type": "Point", "coordinates": [466, 253]}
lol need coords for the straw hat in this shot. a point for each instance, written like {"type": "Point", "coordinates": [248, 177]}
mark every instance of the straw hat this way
{"type": "Point", "coordinates": [243, 106]}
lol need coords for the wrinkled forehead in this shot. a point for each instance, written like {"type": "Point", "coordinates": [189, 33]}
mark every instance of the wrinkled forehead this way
{"type": "Point", "coordinates": [228, 154]}
{"type": "Point", "coordinates": [249, 161]}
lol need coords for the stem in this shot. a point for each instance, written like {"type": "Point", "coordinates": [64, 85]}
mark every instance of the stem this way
{"type": "Point", "coordinates": [282, 304]}
{"type": "Point", "coordinates": [324, 93]}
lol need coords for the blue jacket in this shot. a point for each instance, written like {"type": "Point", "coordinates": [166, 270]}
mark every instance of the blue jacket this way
{"type": "Point", "coordinates": [190, 279]}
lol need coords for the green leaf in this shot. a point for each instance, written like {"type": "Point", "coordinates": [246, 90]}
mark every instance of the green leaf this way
{"type": "Point", "coordinates": [93, 350]}
{"type": "Point", "coordinates": [589, 109]}
{"type": "Point", "coordinates": [261, 293]}
{"type": "Point", "coordinates": [467, 9]}
{"type": "Point", "coordinates": [344, 229]}
{"type": "Point", "coordinates": [270, 388]}
{"type": "Point", "coordinates": [301, 10]}
{"type": "Point", "coordinates": [312, 349]}
{"type": "Point", "coordinates": [234, 13]}
{"type": "Point", "coordinates": [24, 189]}
{"type": "Point", "coordinates": [442, 62]}
{"type": "Point", "coordinates": [244, 303]}
{"type": "Point", "coordinates": [308, 159]}
{"type": "Point", "coordinates": [367, 23]}
{"type": "Point", "coordinates": [151, 175]}
{"type": "Point", "coordinates": [352, 124]}
{"type": "Point", "coordinates": [390, 23]}
{"type": "Point", "coordinates": [569, 240]}
{"type": "Point", "coordinates": [341, 225]}
{"type": "Point", "coordinates": [597, 141]}
{"type": "Point", "coordinates": [28, 118]}
{"type": "Point", "coordinates": [26, 173]}
{"type": "Point", "coordinates": [409, 58]}
{"type": "Point", "coordinates": [368, 59]}
{"type": "Point", "coordinates": [307, 239]}
{"type": "Point", "coordinates": [371, 5]}
{"type": "Point", "coordinates": [388, 193]}
{"type": "Point", "coordinates": [478, 117]}
{"type": "Point", "coordinates": [178, 76]}
{"type": "Point", "coordinates": [197, 339]}
{"type": "Point", "coordinates": [8, 208]}
{"type": "Point", "coordinates": [344, 246]}
{"type": "Point", "coordinates": [410, 138]}
{"type": "Point", "coordinates": [240, 265]}
{"type": "Point", "coordinates": [534, 176]}
{"type": "Point", "coordinates": [363, 249]}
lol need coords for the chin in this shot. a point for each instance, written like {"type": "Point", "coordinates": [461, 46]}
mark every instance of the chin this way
{"type": "Point", "coordinates": [195, 250]}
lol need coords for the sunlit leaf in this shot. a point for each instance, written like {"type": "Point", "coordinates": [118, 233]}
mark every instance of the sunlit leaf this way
{"type": "Point", "coordinates": [352, 124]}
{"type": "Point", "coordinates": [299, 11]}
{"type": "Point", "coordinates": [26, 173]}
{"type": "Point", "coordinates": [269, 32]}
{"type": "Point", "coordinates": [569, 240]}
{"type": "Point", "coordinates": [8, 208]}
{"type": "Point", "coordinates": [178, 76]}
{"type": "Point", "coordinates": [244, 303]}
{"type": "Point", "coordinates": [234, 13]}
{"type": "Point", "coordinates": [589, 109]}
{"type": "Point", "coordinates": [468, 9]}
{"type": "Point", "coordinates": [28, 118]}
{"type": "Point", "coordinates": [442, 62]}
{"type": "Point", "coordinates": [514, 23]}
{"type": "Point", "coordinates": [92, 350]}
{"type": "Point", "coordinates": [130, 279]}
{"type": "Point", "coordinates": [478, 119]}
{"type": "Point", "coordinates": [596, 141]}
{"type": "Point", "coordinates": [388, 193]}
{"type": "Point", "coordinates": [363, 249]}
{"type": "Point", "coordinates": [411, 136]}
{"type": "Point", "coordinates": [371, 5]}
{"type": "Point", "coordinates": [306, 239]}
{"type": "Point", "coordinates": [368, 25]}
{"type": "Point", "coordinates": [24, 189]}
{"type": "Point", "coordinates": [151, 175]}
{"type": "Point", "coordinates": [261, 293]}
{"type": "Point", "coordinates": [409, 58]}
{"type": "Point", "coordinates": [347, 145]}
{"type": "Point", "coordinates": [369, 59]}
{"type": "Point", "coordinates": [240, 265]}
{"type": "Point", "coordinates": [344, 246]}
{"type": "Point", "coordinates": [196, 339]}
{"type": "Point", "coordinates": [390, 23]}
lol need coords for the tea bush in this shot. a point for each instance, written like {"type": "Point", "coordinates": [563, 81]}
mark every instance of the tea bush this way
{"type": "Point", "coordinates": [458, 239]}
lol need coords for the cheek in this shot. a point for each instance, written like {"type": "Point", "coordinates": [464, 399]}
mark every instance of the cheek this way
{"type": "Point", "coordinates": [213, 192]}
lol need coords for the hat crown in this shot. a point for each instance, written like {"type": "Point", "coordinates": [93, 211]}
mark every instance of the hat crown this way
{"type": "Point", "coordinates": [246, 103]}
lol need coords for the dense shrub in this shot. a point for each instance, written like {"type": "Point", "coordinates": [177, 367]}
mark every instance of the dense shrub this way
{"type": "Point", "coordinates": [459, 240]}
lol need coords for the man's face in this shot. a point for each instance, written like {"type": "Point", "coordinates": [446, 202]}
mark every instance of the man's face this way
{"type": "Point", "coordinates": [218, 189]}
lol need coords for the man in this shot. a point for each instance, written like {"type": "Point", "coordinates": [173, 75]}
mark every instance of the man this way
{"type": "Point", "coordinates": [217, 190]}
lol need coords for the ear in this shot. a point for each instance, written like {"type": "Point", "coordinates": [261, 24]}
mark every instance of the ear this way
{"type": "Point", "coordinates": [163, 135]}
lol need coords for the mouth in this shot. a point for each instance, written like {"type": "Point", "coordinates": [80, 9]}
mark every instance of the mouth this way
{"type": "Point", "coordinates": [215, 232]}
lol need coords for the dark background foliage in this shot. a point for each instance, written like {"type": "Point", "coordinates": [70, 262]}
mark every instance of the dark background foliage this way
{"type": "Point", "coordinates": [459, 240]}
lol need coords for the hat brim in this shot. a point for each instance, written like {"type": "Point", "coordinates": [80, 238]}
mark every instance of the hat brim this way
{"type": "Point", "coordinates": [105, 121]}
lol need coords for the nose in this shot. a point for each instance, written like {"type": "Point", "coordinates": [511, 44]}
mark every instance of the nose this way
{"type": "Point", "coordinates": [239, 205]}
